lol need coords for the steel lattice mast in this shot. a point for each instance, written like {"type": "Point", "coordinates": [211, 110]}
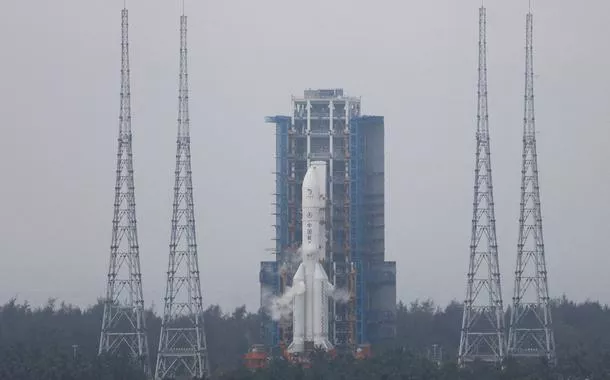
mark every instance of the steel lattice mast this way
{"type": "Point", "coordinates": [530, 332]}
{"type": "Point", "coordinates": [182, 345]}
{"type": "Point", "coordinates": [482, 335]}
{"type": "Point", "coordinates": [123, 324]}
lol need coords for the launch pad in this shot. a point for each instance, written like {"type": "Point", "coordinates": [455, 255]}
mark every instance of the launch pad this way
{"type": "Point", "coordinates": [326, 127]}
{"type": "Point", "coordinates": [311, 287]}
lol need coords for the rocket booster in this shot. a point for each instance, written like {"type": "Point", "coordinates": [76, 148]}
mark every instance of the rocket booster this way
{"type": "Point", "coordinates": [310, 306]}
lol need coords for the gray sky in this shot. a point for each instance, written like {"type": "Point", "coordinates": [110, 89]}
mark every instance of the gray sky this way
{"type": "Point", "coordinates": [412, 61]}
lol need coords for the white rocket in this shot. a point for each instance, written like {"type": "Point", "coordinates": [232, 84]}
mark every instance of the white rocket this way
{"type": "Point", "coordinates": [310, 304]}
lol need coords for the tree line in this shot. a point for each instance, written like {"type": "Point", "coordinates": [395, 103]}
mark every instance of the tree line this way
{"type": "Point", "coordinates": [60, 341]}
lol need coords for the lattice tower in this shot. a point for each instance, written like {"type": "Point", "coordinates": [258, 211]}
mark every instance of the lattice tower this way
{"type": "Point", "coordinates": [123, 323]}
{"type": "Point", "coordinates": [530, 332]}
{"type": "Point", "coordinates": [482, 335]}
{"type": "Point", "coordinates": [182, 344]}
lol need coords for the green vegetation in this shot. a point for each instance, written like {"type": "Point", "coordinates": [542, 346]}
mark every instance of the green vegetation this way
{"type": "Point", "coordinates": [60, 342]}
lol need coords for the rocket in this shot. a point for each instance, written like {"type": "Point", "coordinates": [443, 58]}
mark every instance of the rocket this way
{"type": "Point", "coordinates": [310, 312]}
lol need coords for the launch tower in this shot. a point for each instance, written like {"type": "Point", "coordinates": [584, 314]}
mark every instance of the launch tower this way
{"type": "Point", "coordinates": [123, 323]}
{"type": "Point", "coordinates": [326, 125]}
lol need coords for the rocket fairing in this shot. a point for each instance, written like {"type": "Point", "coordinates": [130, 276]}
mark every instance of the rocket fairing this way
{"type": "Point", "coordinates": [310, 304]}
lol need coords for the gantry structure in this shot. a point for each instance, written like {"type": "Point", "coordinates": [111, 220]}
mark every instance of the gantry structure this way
{"type": "Point", "coordinates": [327, 125]}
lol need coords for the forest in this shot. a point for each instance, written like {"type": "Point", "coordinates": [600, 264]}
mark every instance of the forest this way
{"type": "Point", "coordinates": [59, 341]}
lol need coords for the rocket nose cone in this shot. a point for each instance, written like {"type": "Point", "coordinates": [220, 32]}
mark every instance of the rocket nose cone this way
{"type": "Point", "coordinates": [310, 176]}
{"type": "Point", "coordinates": [311, 188]}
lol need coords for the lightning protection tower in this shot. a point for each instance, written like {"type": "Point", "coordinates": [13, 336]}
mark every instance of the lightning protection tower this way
{"type": "Point", "coordinates": [482, 335]}
{"type": "Point", "coordinates": [182, 344]}
{"type": "Point", "coordinates": [123, 323]}
{"type": "Point", "coordinates": [530, 332]}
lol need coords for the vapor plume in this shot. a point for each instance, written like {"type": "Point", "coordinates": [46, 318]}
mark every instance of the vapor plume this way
{"type": "Point", "coordinates": [340, 295]}
{"type": "Point", "coordinates": [278, 307]}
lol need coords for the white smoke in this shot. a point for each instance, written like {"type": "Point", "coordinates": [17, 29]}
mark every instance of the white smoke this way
{"type": "Point", "coordinates": [279, 307]}
{"type": "Point", "coordinates": [339, 295]}
{"type": "Point", "coordinates": [291, 260]}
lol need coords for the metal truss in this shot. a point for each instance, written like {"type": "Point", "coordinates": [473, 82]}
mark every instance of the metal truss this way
{"type": "Point", "coordinates": [123, 324]}
{"type": "Point", "coordinates": [182, 344]}
{"type": "Point", "coordinates": [530, 332]}
{"type": "Point", "coordinates": [482, 334]}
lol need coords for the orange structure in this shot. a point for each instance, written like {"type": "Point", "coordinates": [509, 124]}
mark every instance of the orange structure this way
{"type": "Point", "coordinates": [256, 357]}
{"type": "Point", "coordinates": [363, 352]}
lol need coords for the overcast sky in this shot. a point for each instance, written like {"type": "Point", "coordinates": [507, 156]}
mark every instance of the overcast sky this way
{"type": "Point", "coordinates": [413, 62]}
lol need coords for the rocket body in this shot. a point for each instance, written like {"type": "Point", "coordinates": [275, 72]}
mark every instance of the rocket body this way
{"type": "Point", "coordinates": [310, 306]}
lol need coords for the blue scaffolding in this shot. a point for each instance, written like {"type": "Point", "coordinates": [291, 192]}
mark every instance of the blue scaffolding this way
{"type": "Point", "coordinates": [355, 237]}
{"type": "Point", "coordinates": [356, 215]}
{"type": "Point", "coordinates": [282, 125]}
{"type": "Point", "coordinates": [358, 234]}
